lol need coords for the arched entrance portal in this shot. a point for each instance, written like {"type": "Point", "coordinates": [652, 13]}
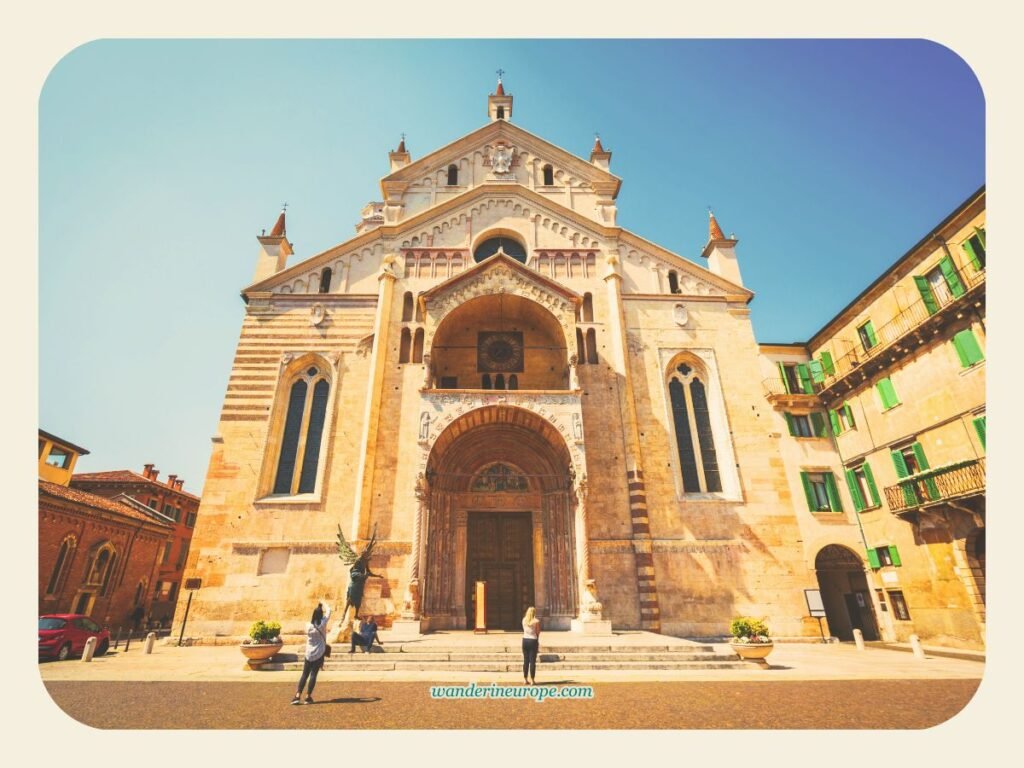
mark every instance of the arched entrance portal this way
{"type": "Point", "coordinates": [501, 509]}
{"type": "Point", "coordinates": [844, 590]}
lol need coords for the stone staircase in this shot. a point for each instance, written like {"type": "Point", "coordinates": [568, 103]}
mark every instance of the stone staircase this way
{"type": "Point", "coordinates": [497, 654]}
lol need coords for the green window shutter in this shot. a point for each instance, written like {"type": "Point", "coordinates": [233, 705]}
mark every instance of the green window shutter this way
{"type": "Point", "coordinates": [785, 381]}
{"type": "Point", "coordinates": [969, 250]}
{"type": "Point", "coordinates": [851, 481]}
{"type": "Point", "coordinates": [929, 482]}
{"type": "Point", "coordinates": [979, 427]}
{"type": "Point", "coordinates": [873, 560]}
{"type": "Point", "coordinates": [811, 503]}
{"type": "Point", "coordinates": [805, 378]}
{"type": "Point", "coordinates": [875, 498]}
{"type": "Point", "coordinates": [922, 460]}
{"type": "Point", "coordinates": [818, 422]}
{"type": "Point", "coordinates": [887, 393]}
{"type": "Point", "coordinates": [817, 371]}
{"type": "Point", "coordinates": [952, 279]}
{"type": "Point", "coordinates": [967, 348]}
{"type": "Point", "coordinates": [926, 293]}
{"type": "Point", "coordinates": [869, 329]}
{"type": "Point", "coordinates": [900, 464]}
{"type": "Point", "coordinates": [826, 363]}
{"type": "Point", "coordinates": [894, 555]}
{"type": "Point", "coordinates": [981, 235]}
{"type": "Point", "coordinates": [790, 422]}
{"type": "Point", "coordinates": [849, 414]}
{"type": "Point", "coordinates": [833, 416]}
{"type": "Point", "coordinates": [833, 492]}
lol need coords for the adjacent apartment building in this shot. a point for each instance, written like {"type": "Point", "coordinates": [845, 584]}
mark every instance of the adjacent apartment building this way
{"type": "Point", "coordinates": [882, 413]}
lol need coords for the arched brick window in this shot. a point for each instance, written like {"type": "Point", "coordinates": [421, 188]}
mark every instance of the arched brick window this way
{"type": "Point", "coordinates": [61, 565]}
{"type": "Point", "coordinates": [691, 421]}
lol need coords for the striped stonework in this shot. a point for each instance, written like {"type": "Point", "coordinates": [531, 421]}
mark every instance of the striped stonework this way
{"type": "Point", "coordinates": [646, 586]}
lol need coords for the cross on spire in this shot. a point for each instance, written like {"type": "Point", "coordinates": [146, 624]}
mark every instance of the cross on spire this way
{"type": "Point", "coordinates": [284, 207]}
{"type": "Point", "coordinates": [500, 73]}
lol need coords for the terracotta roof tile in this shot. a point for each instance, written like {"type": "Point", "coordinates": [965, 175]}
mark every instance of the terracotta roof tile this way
{"type": "Point", "coordinates": [714, 231]}
{"type": "Point", "coordinates": [501, 89]}
{"type": "Point", "coordinates": [126, 476]}
{"type": "Point", "coordinates": [58, 491]}
{"type": "Point", "coordinates": [279, 229]}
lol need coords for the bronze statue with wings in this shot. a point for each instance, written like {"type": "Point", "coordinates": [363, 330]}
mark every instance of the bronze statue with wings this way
{"type": "Point", "coordinates": [359, 571]}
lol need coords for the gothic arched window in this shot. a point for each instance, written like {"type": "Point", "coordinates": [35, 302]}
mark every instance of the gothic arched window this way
{"type": "Point", "coordinates": [303, 431]}
{"type": "Point", "coordinates": [407, 307]}
{"type": "Point", "coordinates": [581, 350]}
{"type": "Point", "coordinates": [405, 347]}
{"type": "Point", "coordinates": [588, 308]}
{"type": "Point", "coordinates": [61, 565]}
{"type": "Point", "coordinates": [453, 175]}
{"type": "Point", "coordinates": [691, 420]}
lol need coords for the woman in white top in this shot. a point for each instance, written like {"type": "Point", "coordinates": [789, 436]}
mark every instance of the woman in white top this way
{"type": "Point", "coordinates": [316, 646]}
{"type": "Point", "coordinates": [531, 645]}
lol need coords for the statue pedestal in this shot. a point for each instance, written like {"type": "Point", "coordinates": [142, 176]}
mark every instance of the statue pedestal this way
{"type": "Point", "coordinates": [405, 628]}
{"type": "Point", "coordinates": [592, 627]}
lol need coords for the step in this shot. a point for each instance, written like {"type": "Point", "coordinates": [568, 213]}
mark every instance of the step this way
{"type": "Point", "coordinates": [560, 667]}
{"type": "Point", "coordinates": [561, 649]}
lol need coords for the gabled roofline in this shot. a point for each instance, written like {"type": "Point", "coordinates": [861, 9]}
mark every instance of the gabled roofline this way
{"type": "Point", "coordinates": [497, 128]}
{"type": "Point", "coordinates": [393, 231]}
{"type": "Point", "coordinates": [501, 258]}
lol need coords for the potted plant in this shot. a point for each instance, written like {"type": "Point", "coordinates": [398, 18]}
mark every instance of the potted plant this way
{"type": "Point", "coordinates": [751, 640]}
{"type": "Point", "coordinates": [263, 643]}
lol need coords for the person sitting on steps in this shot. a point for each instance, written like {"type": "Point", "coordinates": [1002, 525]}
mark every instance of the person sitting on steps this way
{"type": "Point", "coordinates": [365, 636]}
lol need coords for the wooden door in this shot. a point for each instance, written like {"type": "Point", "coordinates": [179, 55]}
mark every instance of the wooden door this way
{"type": "Point", "coordinates": [499, 550]}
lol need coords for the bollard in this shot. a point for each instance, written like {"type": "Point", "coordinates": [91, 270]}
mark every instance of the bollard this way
{"type": "Point", "coordinates": [117, 639]}
{"type": "Point", "coordinates": [150, 642]}
{"type": "Point", "coordinates": [90, 649]}
{"type": "Point", "coordinates": [915, 645]}
{"type": "Point", "coordinates": [858, 638]}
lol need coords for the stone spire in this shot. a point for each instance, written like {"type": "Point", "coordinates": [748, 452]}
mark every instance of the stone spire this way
{"type": "Point", "coordinates": [714, 231]}
{"type": "Point", "coordinates": [598, 155]}
{"type": "Point", "coordinates": [499, 103]}
{"type": "Point", "coordinates": [400, 157]}
{"type": "Point", "coordinates": [279, 227]}
{"type": "Point", "coordinates": [274, 249]}
{"type": "Point", "coordinates": [720, 252]}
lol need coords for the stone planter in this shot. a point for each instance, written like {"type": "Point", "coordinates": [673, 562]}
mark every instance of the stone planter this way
{"type": "Point", "coordinates": [755, 652]}
{"type": "Point", "coordinates": [259, 653]}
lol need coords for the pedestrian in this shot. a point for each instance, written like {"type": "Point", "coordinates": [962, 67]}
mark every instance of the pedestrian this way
{"type": "Point", "coordinates": [316, 650]}
{"type": "Point", "coordinates": [365, 636]}
{"type": "Point", "coordinates": [531, 645]}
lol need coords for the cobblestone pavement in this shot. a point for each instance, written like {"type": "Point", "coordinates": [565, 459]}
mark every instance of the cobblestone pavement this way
{"type": "Point", "coordinates": [807, 704]}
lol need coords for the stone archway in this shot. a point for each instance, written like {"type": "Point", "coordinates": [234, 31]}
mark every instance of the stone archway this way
{"type": "Point", "coordinates": [845, 592]}
{"type": "Point", "coordinates": [501, 507]}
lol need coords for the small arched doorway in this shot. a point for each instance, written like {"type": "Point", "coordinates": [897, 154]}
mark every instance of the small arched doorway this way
{"type": "Point", "coordinates": [845, 593]}
{"type": "Point", "coordinates": [501, 510]}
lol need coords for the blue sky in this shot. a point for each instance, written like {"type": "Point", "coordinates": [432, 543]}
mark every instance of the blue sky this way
{"type": "Point", "coordinates": [160, 161]}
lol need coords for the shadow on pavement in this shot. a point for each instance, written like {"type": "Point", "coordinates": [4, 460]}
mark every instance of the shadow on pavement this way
{"type": "Point", "coordinates": [350, 700]}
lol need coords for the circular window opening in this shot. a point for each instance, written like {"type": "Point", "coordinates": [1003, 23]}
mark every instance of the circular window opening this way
{"type": "Point", "coordinates": [489, 247]}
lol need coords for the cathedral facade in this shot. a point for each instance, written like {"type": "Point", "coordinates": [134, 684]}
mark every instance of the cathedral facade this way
{"type": "Point", "coordinates": [503, 385]}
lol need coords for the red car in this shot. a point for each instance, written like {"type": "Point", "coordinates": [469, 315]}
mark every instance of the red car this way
{"type": "Point", "coordinates": [64, 634]}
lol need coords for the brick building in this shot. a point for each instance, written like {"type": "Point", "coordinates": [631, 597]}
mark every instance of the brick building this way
{"type": "Point", "coordinates": [170, 500]}
{"type": "Point", "coordinates": [97, 555]}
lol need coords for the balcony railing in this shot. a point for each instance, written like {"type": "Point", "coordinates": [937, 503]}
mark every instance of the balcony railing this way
{"type": "Point", "coordinates": [965, 478]}
{"type": "Point", "coordinates": [775, 388]}
{"type": "Point", "coordinates": [892, 335]}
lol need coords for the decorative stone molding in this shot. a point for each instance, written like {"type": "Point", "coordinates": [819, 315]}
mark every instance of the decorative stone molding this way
{"type": "Point", "coordinates": [497, 280]}
{"type": "Point", "coordinates": [558, 409]}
